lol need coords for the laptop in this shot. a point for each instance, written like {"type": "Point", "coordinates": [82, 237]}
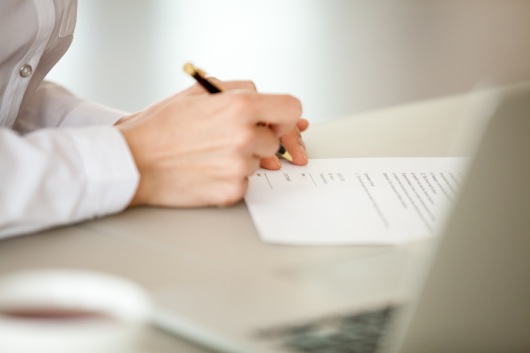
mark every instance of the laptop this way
{"type": "Point", "coordinates": [470, 294]}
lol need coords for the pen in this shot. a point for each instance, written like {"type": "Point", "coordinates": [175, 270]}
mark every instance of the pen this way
{"type": "Point", "coordinates": [200, 77]}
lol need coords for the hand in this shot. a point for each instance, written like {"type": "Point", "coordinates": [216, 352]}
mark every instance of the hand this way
{"type": "Point", "coordinates": [196, 149]}
{"type": "Point", "coordinates": [292, 140]}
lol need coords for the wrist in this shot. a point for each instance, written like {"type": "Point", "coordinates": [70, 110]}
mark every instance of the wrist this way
{"type": "Point", "coordinates": [130, 138]}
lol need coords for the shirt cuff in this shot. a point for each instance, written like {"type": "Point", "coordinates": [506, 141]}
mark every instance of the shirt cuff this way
{"type": "Point", "coordinates": [88, 113]}
{"type": "Point", "coordinates": [112, 176]}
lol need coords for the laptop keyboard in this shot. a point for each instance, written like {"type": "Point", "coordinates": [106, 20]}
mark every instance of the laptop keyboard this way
{"type": "Point", "coordinates": [358, 333]}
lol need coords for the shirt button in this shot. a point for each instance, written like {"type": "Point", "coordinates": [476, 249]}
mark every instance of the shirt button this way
{"type": "Point", "coordinates": [25, 70]}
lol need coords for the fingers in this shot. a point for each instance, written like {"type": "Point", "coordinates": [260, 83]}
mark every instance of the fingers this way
{"type": "Point", "coordinates": [302, 124]}
{"type": "Point", "coordinates": [278, 111]}
{"type": "Point", "coordinates": [275, 110]}
{"type": "Point", "coordinates": [293, 143]}
{"type": "Point", "coordinates": [282, 113]}
{"type": "Point", "coordinates": [271, 163]}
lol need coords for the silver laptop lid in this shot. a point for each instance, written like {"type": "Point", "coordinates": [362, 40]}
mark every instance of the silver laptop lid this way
{"type": "Point", "coordinates": [477, 294]}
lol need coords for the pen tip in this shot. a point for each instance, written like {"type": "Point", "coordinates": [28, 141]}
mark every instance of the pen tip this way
{"type": "Point", "coordinates": [287, 156]}
{"type": "Point", "coordinates": [189, 68]}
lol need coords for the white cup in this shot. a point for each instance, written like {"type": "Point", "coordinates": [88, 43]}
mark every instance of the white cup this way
{"type": "Point", "coordinates": [64, 310]}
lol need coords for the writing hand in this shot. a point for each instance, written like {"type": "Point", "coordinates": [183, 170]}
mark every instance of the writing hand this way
{"type": "Point", "coordinates": [196, 149]}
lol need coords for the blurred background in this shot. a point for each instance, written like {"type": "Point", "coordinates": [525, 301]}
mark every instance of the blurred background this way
{"type": "Point", "coordinates": [337, 56]}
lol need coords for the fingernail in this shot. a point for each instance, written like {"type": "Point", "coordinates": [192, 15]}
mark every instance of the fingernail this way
{"type": "Point", "coordinates": [302, 149]}
{"type": "Point", "coordinates": [277, 161]}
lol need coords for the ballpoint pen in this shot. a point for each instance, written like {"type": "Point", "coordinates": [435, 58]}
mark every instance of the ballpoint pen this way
{"type": "Point", "coordinates": [200, 77]}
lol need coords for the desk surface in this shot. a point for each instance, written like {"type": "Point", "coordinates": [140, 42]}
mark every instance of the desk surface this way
{"type": "Point", "coordinates": [432, 128]}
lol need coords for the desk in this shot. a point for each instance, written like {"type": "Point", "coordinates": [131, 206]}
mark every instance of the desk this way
{"type": "Point", "coordinates": [184, 236]}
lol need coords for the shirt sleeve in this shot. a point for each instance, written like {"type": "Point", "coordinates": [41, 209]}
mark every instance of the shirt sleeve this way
{"type": "Point", "coordinates": [54, 106]}
{"type": "Point", "coordinates": [53, 177]}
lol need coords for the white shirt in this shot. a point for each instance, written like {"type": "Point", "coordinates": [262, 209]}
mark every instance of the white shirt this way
{"type": "Point", "coordinates": [61, 159]}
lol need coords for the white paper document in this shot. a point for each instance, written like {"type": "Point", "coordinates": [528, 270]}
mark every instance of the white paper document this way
{"type": "Point", "coordinates": [354, 200]}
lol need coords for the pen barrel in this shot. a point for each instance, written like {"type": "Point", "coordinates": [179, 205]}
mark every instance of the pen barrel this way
{"type": "Point", "coordinates": [207, 85]}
